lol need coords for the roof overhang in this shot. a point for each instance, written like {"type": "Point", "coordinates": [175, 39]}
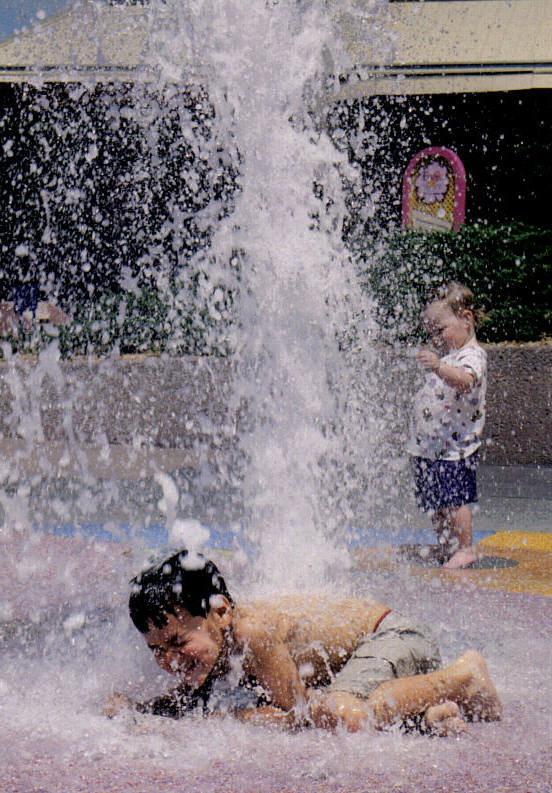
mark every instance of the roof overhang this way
{"type": "Point", "coordinates": [453, 47]}
{"type": "Point", "coordinates": [86, 42]}
{"type": "Point", "coordinates": [412, 47]}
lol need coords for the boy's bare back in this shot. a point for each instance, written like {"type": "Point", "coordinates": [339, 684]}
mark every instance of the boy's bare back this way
{"type": "Point", "coordinates": [292, 643]}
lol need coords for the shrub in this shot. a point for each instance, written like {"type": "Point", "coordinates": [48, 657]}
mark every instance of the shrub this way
{"type": "Point", "coordinates": [509, 269]}
{"type": "Point", "coordinates": [150, 320]}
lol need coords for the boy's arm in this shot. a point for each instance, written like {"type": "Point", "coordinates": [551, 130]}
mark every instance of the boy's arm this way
{"type": "Point", "coordinates": [458, 377]}
{"type": "Point", "coordinates": [269, 661]}
{"type": "Point", "coordinates": [174, 704]}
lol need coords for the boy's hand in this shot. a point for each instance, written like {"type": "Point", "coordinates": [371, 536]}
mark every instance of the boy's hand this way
{"type": "Point", "coordinates": [116, 703]}
{"type": "Point", "coordinates": [338, 707]}
{"type": "Point", "coordinates": [268, 716]}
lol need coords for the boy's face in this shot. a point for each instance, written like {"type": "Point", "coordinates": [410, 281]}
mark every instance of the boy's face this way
{"type": "Point", "coordinates": [446, 331]}
{"type": "Point", "coordinates": [187, 646]}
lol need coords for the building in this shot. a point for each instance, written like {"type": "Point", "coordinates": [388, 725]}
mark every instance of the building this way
{"type": "Point", "coordinates": [431, 47]}
{"type": "Point", "coordinates": [473, 75]}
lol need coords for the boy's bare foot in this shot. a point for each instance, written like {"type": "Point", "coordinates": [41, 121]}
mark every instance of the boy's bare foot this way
{"type": "Point", "coordinates": [480, 698]}
{"type": "Point", "coordinates": [444, 719]}
{"type": "Point", "coordinates": [462, 558]}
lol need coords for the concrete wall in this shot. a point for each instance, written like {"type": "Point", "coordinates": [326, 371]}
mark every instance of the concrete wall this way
{"type": "Point", "coordinates": [519, 404]}
{"type": "Point", "coordinates": [154, 403]}
{"type": "Point", "coordinates": [128, 416]}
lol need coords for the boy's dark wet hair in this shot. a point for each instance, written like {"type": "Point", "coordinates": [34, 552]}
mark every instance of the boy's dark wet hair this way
{"type": "Point", "coordinates": [182, 580]}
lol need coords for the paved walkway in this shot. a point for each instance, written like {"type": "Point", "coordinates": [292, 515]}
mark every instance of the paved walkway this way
{"type": "Point", "coordinates": [516, 497]}
{"type": "Point", "coordinates": [511, 498]}
{"type": "Point", "coordinates": [58, 741]}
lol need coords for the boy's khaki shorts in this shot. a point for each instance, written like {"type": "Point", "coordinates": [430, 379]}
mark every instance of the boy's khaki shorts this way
{"type": "Point", "coordinates": [399, 647]}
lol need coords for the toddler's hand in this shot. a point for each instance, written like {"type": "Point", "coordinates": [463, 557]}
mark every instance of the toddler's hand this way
{"type": "Point", "coordinates": [428, 359]}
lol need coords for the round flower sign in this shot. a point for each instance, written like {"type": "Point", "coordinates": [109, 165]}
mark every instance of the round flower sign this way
{"type": "Point", "coordinates": [432, 183]}
{"type": "Point", "coordinates": [434, 191]}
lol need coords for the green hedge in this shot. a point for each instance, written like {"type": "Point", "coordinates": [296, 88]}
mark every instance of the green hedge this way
{"type": "Point", "coordinates": [148, 321]}
{"type": "Point", "coordinates": [509, 268]}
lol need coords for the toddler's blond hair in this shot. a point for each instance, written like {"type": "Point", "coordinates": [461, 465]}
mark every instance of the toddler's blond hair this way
{"type": "Point", "coordinates": [458, 298]}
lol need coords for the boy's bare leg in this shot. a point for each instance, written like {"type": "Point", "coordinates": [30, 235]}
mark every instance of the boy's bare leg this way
{"type": "Point", "coordinates": [465, 683]}
{"type": "Point", "coordinates": [439, 520]}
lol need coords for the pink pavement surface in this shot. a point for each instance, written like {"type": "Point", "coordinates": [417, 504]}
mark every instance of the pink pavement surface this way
{"type": "Point", "coordinates": [42, 769]}
{"type": "Point", "coordinates": [45, 572]}
{"type": "Point", "coordinates": [512, 756]}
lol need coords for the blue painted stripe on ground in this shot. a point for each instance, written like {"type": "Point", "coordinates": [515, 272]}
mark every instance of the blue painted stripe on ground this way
{"type": "Point", "coordinates": [156, 536]}
{"type": "Point", "coordinates": [361, 537]}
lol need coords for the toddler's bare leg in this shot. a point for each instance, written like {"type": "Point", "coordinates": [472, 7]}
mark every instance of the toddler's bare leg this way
{"type": "Point", "coordinates": [453, 526]}
{"type": "Point", "coordinates": [460, 528]}
{"type": "Point", "coordinates": [441, 525]}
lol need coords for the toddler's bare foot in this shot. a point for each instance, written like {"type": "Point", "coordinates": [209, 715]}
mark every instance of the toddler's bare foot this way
{"type": "Point", "coordinates": [480, 699]}
{"type": "Point", "coordinates": [444, 719]}
{"type": "Point", "coordinates": [461, 558]}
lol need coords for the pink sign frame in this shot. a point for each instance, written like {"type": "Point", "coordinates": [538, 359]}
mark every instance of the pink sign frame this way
{"type": "Point", "coordinates": [459, 175]}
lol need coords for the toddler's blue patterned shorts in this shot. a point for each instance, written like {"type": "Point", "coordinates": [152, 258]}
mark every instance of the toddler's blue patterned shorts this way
{"type": "Point", "coordinates": [445, 483]}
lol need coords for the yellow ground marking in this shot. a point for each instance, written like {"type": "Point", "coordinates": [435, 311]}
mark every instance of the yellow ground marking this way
{"type": "Point", "coordinates": [531, 549]}
{"type": "Point", "coordinates": [518, 541]}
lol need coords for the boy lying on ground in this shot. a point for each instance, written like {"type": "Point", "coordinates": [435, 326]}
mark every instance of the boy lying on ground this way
{"type": "Point", "coordinates": [299, 660]}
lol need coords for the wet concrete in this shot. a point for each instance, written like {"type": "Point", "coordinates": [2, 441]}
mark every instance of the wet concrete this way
{"type": "Point", "coordinates": [72, 592]}
{"type": "Point", "coordinates": [511, 497]}
{"type": "Point", "coordinates": [55, 739]}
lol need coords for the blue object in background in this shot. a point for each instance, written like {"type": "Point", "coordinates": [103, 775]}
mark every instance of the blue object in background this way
{"type": "Point", "coordinates": [25, 298]}
{"type": "Point", "coordinates": [19, 14]}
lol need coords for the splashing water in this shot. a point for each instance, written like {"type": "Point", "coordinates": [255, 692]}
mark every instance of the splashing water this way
{"type": "Point", "coordinates": [297, 289]}
{"type": "Point", "coordinates": [308, 378]}
{"type": "Point", "coordinates": [273, 240]}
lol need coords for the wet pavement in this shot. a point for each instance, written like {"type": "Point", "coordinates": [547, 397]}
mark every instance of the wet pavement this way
{"type": "Point", "coordinates": [56, 740]}
{"type": "Point", "coordinates": [517, 497]}
{"type": "Point", "coordinates": [66, 642]}
{"type": "Point", "coordinates": [511, 498]}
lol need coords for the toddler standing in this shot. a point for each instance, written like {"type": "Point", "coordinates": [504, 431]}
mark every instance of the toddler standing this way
{"type": "Point", "coordinates": [448, 420]}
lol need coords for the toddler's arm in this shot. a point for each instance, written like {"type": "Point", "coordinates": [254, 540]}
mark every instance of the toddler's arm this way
{"type": "Point", "coordinates": [457, 377]}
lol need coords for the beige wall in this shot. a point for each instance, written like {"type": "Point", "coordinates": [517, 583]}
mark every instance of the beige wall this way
{"type": "Point", "coordinates": [146, 404]}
